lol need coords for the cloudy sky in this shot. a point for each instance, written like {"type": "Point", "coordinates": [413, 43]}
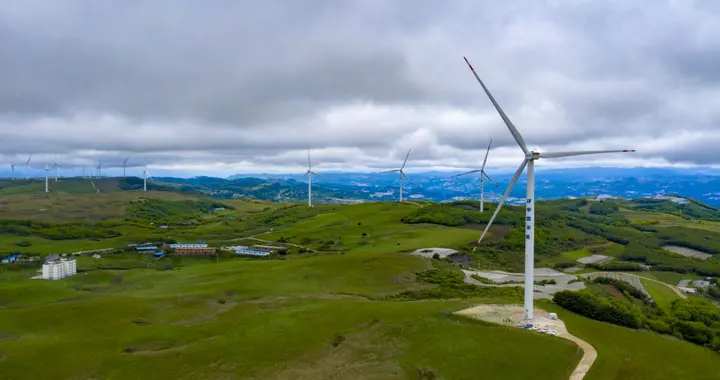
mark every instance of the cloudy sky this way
{"type": "Point", "coordinates": [227, 86]}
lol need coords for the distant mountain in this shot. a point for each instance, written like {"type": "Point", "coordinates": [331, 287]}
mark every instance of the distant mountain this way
{"type": "Point", "coordinates": [700, 184]}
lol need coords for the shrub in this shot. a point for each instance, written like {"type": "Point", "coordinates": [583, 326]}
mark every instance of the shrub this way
{"type": "Point", "coordinates": [598, 308]}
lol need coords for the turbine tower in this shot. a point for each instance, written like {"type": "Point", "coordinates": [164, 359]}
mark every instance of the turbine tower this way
{"type": "Point", "coordinates": [125, 165]}
{"type": "Point", "coordinates": [309, 174]}
{"type": "Point", "coordinates": [47, 170]}
{"type": "Point", "coordinates": [56, 165]}
{"type": "Point", "coordinates": [401, 173]}
{"type": "Point", "coordinates": [27, 167]}
{"type": "Point", "coordinates": [146, 175]}
{"type": "Point", "coordinates": [12, 170]}
{"type": "Point", "coordinates": [529, 161]}
{"type": "Point", "coordinates": [483, 175]}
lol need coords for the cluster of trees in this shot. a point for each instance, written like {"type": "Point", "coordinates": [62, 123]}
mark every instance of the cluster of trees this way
{"type": "Point", "coordinates": [693, 319]}
{"type": "Point", "coordinates": [702, 240]}
{"type": "Point", "coordinates": [462, 213]}
{"type": "Point", "coordinates": [603, 208]}
{"type": "Point", "coordinates": [694, 209]}
{"type": "Point", "coordinates": [170, 212]}
{"type": "Point", "coordinates": [59, 231]}
{"type": "Point", "coordinates": [602, 309]}
{"type": "Point", "coordinates": [284, 215]}
{"type": "Point", "coordinates": [616, 266]}
{"type": "Point", "coordinates": [622, 286]}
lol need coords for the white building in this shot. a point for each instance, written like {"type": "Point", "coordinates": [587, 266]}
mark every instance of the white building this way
{"type": "Point", "coordinates": [56, 268]}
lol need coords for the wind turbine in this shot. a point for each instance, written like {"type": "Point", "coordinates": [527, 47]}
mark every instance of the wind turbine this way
{"type": "Point", "coordinates": [57, 168]}
{"type": "Point", "coordinates": [12, 170]}
{"type": "Point", "coordinates": [483, 175]}
{"type": "Point", "coordinates": [99, 169]}
{"type": "Point", "coordinates": [401, 173]}
{"type": "Point", "coordinates": [47, 170]}
{"type": "Point", "coordinates": [309, 174]}
{"type": "Point", "coordinates": [529, 161]}
{"type": "Point", "coordinates": [27, 167]}
{"type": "Point", "coordinates": [146, 175]}
{"type": "Point", "coordinates": [125, 165]}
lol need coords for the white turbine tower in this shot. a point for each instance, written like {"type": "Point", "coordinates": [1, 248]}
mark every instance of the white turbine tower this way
{"type": "Point", "coordinates": [47, 171]}
{"type": "Point", "coordinates": [401, 173]}
{"type": "Point", "coordinates": [125, 165]}
{"type": "Point", "coordinates": [529, 161]}
{"type": "Point", "coordinates": [12, 170]}
{"type": "Point", "coordinates": [309, 174]}
{"type": "Point", "coordinates": [483, 175]}
{"type": "Point", "coordinates": [56, 165]}
{"type": "Point", "coordinates": [146, 175]}
{"type": "Point", "coordinates": [27, 168]}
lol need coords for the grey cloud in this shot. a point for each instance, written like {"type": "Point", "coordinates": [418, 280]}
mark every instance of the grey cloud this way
{"type": "Point", "coordinates": [249, 82]}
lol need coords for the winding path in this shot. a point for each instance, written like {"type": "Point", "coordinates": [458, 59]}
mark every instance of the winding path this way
{"type": "Point", "coordinates": [509, 315]}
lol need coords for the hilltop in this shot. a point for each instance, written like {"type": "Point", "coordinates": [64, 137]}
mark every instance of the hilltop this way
{"type": "Point", "coordinates": [348, 299]}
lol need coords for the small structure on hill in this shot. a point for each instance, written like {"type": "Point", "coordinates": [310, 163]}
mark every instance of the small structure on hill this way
{"type": "Point", "coordinates": [195, 250]}
{"type": "Point", "coordinates": [146, 248]}
{"type": "Point", "coordinates": [158, 255]}
{"type": "Point", "coordinates": [11, 259]}
{"type": "Point", "coordinates": [251, 252]}
{"type": "Point", "coordinates": [687, 290]}
{"type": "Point", "coordinates": [185, 245]}
{"type": "Point", "coordinates": [269, 248]}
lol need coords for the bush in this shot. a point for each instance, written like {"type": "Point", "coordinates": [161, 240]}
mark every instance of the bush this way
{"type": "Point", "coordinates": [546, 282]}
{"type": "Point", "coordinates": [598, 308]}
{"type": "Point", "coordinates": [482, 279]}
{"type": "Point", "coordinates": [621, 286]}
{"type": "Point", "coordinates": [659, 326]}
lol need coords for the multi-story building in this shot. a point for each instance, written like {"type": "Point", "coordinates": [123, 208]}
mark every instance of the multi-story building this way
{"type": "Point", "coordinates": [56, 268]}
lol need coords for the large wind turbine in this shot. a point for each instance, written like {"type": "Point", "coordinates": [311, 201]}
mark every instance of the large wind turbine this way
{"type": "Point", "coordinates": [483, 175]}
{"type": "Point", "coordinates": [309, 174]}
{"type": "Point", "coordinates": [529, 161]}
{"type": "Point", "coordinates": [27, 167]}
{"type": "Point", "coordinates": [401, 173]}
{"type": "Point", "coordinates": [125, 165]}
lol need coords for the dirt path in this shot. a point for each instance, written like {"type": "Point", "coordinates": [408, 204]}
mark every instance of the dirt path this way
{"type": "Point", "coordinates": [509, 315]}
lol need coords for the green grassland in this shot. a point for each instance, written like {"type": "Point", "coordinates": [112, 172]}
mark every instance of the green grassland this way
{"type": "Point", "coordinates": [661, 294]}
{"type": "Point", "coordinates": [634, 354]}
{"type": "Point", "coordinates": [349, 305]}
{"type": "Point", "coordinates": [670, 278]}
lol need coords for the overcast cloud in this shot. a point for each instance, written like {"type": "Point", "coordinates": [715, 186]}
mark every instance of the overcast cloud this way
{"type": "Point", "coordinates": [230, 86]}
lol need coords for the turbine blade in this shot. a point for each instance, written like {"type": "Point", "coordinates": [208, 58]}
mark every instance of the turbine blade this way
{"type": "Point", "coordinates": [491, 180]}
{"type": "Point", "coordinates": [569, 154]}
{"type": "Point", "coordinates": [316, 174]}
{"type": "Point", "coordinates": [502, 200]}
{"type": "Point", "coordinates": [309, 160]}
{"type": "Point", "coordinates": [486, 154]}
{"type": "Point", "coordinates": [406, 158]}
{"type": "Point", "coordinates": [470, 172]}
{"type": "Point", "coordinates": [403, 174]}
{"type": "Point", "coordinates": [389, 171]}
{"type": "Point", "coordinates": [518, 137]}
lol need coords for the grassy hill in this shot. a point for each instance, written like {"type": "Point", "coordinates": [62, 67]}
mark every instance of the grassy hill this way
{"type": "Point", "coordinates": [347, 302]}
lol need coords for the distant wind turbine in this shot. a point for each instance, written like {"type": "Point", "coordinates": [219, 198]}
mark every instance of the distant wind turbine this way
{"type": "Point", "coordinates": [309, 174]}
{"type": "Point", "coordinates": [56, 165]}
{"type": "Point", "coordinates": [529, 161]}
{"type": "Point", "coordinates": [47, 170]}
{"type": "Point", "coordinates": [12, 170]}
{"type": "Point", "coordinates": [125, 165]}
{"type": "Point", "coordinates": [99, 169]}
{"type": "Point", "coordinates": [27, 168]}
{"type": "Point", "coordinates": [146, 175]}
{"type": "Point", "coordinates": [483, 175]}
{"type": "Point", "coordinates": [401, 173]}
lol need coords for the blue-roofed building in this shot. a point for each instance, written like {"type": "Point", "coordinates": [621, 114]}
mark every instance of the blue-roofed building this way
{"type": "Point", "coordinates": [251, 252]}
{"type": "Point", "coordinates": [146, 248]}
{"type": "Point", "coordinates": [159, 254]}
{"type": "Point", "coordinates": [11, 259]}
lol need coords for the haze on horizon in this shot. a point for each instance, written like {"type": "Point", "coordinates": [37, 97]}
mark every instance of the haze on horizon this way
{"type": "Point", "coordinates": [245, 87]}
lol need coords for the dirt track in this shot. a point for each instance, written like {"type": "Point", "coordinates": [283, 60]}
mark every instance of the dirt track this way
{"type": "Point", "coordinates": [509, 315]}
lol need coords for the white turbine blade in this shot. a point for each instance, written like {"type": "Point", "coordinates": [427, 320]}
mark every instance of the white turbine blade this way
{"type": "Point", "coordinates": [403, 174]}
{"type": "Point", "coordinates": [389, 171]}
{"type": "Point", "coordinates": [491, 180]}
{"type": "Point", "coordinates": [309, 167]}
{"type": "Point", "coordinates": [406, 158]}
{"type": "Point", "coordinates": [310, 171]}
{"type": "Point", "coordinates": [486, 154]}
{"type": "Point", "coordinates": [510, 125]}
{"type": "Point", "coordinates": [470, 172]}
{"type": "Point", "coordinates": [569, 154]}
{"type": "Point", "coordinates": [502, 201]}
{"type": "Point", "coordinates": [28, 161]}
